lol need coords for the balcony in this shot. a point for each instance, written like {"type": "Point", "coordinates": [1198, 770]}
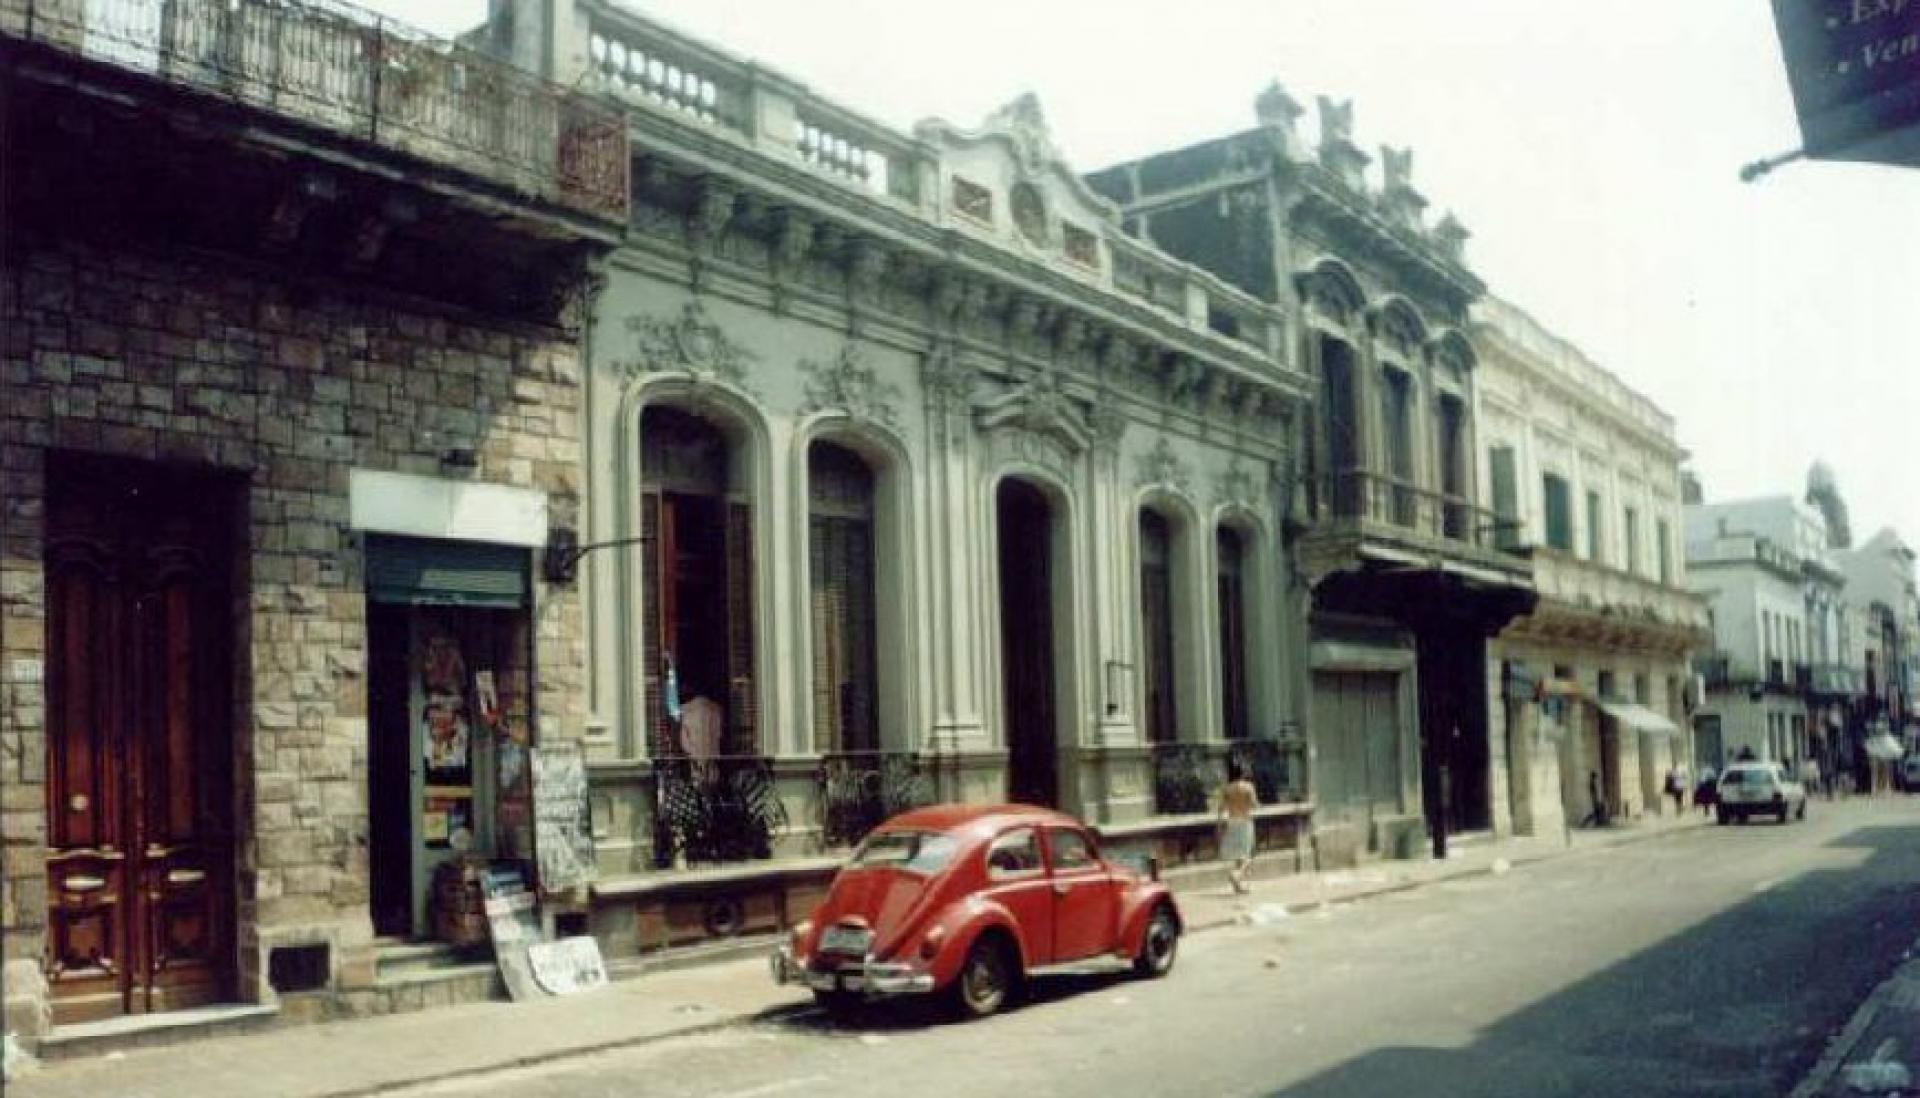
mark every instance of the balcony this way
{"type": "Point", "coordinates": [1185, 775]}
{"type": "Point", "coordinates": [718, 809]}
{"type": "Point", "coordinates": [856, 791]}
{"type": "Point", "coordinates": [1833, 680]}
{"type": "Point", "coordinates": [1368, 514]}
{"type": "Point", "coordinates": [357, 76]}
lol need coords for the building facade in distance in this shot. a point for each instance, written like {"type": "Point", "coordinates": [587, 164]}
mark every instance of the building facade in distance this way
{"type": "Point", "coordinates": [1584, 472]}
{"type": "Point", "coordinates": [1406, 578]}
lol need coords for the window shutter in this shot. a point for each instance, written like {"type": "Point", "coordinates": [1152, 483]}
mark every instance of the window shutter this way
{"type": "Point", "coordinates": [859, 731]}
{"type": "Point", "coordinates": [826, 714]}
{"type": "Point", "coordinates": [1156, 622]}
{"type": "Point", "coordinates": [743, 708]}
{"type": "Point", "coordinates": [1233, 636]}
{"type": "Point", "coordinates": [651, 654]}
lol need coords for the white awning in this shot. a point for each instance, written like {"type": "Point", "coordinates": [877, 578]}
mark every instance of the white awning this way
{"type": "Point", "coordinates": [1884, 746]}
{"type": "Point", "coordinates": [1639, 718]}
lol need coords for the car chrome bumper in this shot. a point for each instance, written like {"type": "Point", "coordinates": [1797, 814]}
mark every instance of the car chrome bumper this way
{"type": "Point", "coordinates": [870, 978]}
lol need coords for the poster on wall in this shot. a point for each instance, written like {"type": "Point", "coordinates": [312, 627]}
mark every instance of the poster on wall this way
{"type": "Point", "coordinates": [563, 834]}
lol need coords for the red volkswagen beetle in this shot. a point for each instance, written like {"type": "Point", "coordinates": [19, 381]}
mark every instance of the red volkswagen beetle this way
{"type": "Point", "coordinates": [970, 900]}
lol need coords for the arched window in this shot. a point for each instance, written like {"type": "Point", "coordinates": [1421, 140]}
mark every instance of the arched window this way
{"type": "Point", "coordinates": [1156, 626]}
{"type": "Point", "coordinates": [697, 581]}
{"type": "Point", "coordinates": [841, 565]}
{"type": "Point", "coordinates": [1231, 564]}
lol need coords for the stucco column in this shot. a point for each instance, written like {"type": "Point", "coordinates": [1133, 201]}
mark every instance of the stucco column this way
{"type": "Point", "coordinates": [956, 546]}
{"type": "Point", "coordinates": [1113, 595]}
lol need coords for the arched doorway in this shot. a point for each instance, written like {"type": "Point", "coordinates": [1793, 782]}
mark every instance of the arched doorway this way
{"type": "Point", "coordinates": [1027, 658]}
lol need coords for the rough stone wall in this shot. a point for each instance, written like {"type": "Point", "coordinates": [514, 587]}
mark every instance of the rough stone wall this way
{"type": "Point", "coordinates": [292, 384]}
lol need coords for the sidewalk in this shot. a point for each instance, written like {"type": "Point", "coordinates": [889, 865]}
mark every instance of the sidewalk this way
{"type": "Point", "coordinates": [362, 1058]}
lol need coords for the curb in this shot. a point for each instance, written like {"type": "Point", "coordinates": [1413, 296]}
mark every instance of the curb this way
{"type": "Point", "coordinates": [1841, 1048]}
{"type": "Point", "coordinates": [535, 1059]}
{"type": "Point", "coordinates": [1466, 873]}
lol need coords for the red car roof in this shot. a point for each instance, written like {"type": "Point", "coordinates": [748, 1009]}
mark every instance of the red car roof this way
{"type": "Point", "coordinates": [948, 817]}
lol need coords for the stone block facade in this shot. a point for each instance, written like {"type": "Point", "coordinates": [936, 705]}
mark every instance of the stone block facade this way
{"type": "Point", "coordinates": [288, 384]}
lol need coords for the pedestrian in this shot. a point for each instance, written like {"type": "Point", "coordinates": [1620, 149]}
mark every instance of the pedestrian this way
{"type": "Point", "coordinates": [1238, 798]}
{"type": "Point", "coordinates": [1677, 787]}
{"type": "Point", "coordinates": [1597, 817]}
{"type": "Point", "coordinates": [1706, 793]}
{"type": "Point", "coordinates": [1810, 774]}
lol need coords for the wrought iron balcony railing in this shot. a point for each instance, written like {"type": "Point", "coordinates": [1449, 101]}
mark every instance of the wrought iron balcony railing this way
{"type": "Point", "coordinates": [1358, 495]}
{"type": "Point", "coordinates": [362, 76]}
{"type": "Point", "coordinates": [1276, 766]}
{"type": "Point", "coordinates": [725, 808]}
{"type": "Point", "coordinates": [856, 791]}
{"type": "Point", "coordinates": [1186, 775]}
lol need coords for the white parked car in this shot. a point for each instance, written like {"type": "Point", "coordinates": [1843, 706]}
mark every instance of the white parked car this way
{"type": "Point", "coordinates": [1759, 789]}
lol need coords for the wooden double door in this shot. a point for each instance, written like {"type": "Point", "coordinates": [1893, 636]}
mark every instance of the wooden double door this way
{"type": "Point", "coordinates": [139, 753]}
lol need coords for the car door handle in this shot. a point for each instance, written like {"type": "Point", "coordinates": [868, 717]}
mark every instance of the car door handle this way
{"type": "Point", "coordinates": [1061, 888]}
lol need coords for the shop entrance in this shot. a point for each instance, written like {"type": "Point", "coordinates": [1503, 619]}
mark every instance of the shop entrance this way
{"type": "Point", "coordinates": [1027, 643]}
{"type": "Point", "coordinates": [140, 786]}
{"type": "Point", "coordinates": [449, 726]}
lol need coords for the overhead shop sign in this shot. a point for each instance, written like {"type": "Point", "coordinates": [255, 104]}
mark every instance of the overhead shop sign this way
{"type": "Point", "coordinates": [1854, 66]}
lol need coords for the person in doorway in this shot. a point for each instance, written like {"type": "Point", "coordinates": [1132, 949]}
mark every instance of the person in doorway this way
{"type": "Point", "coordinates": [1677, 787]}
{"type": "Point", "coordinates": [1597, 817]}
{"type": "Point", "coordinates": [1238, 798]}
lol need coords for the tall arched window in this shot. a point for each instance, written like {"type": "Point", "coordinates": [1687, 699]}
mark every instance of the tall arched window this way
{"type": "Point", "coordinates": [1231, 553]}
{"type": "Point", "coordinates": [697, 529]}
{"type": "Point", "coordinates": [841, 565]}
{"type": "Point", "coordinates": [1156, 626]}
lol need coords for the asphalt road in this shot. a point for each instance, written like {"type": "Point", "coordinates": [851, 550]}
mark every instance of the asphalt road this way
{"type": "Point", "coordinates": [1715, 962]}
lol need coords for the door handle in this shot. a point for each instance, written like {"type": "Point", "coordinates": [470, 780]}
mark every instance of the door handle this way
{"type": "Point", "coordinates": [1061, 888]}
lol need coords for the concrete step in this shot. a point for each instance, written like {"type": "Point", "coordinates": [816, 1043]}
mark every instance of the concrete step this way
{"type": "Point", "coordinates": [147, 1030]}
{"type": "Point", "coordinates": [395, 958]}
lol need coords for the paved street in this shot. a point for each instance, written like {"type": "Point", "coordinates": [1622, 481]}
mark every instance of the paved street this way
{"type": "Point", "coordinates": [1716, 962]}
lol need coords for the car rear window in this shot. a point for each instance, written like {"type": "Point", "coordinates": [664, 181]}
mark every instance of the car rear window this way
{"type": "Point", "coordinates": [1747, 777]}
{"type": "Point", "coordinates": [912, 851]}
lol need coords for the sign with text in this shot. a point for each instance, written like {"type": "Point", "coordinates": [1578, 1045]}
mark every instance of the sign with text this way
{"type": "Point", "coordinates": [562, 828]}
{"type": "Point", "coordinates": [1854, 66]}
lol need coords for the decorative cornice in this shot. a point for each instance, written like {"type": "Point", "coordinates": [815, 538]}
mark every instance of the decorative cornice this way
{"type": "Point", "coordinates": [1160, 467]}
{"type": "Point", "coordinates": [691, 344]}
{"type": "Point", "coordinates": [849, 385]}
{"type": "Point", "coordinates": [1040, 406]}
{"type": "Point", "coordinates": [1236, 485]}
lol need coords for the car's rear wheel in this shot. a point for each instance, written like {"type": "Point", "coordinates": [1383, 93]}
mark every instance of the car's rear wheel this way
{"type": "Point", "coordinates": [1159, 945]}
{"type": "Point", "coordinates": [1721, 817]}
{"type": "Point", "coordinates": [986, 980]}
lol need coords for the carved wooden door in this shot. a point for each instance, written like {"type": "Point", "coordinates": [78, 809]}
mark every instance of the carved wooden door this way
{"type": "Point", "coordinates": [138, 777]}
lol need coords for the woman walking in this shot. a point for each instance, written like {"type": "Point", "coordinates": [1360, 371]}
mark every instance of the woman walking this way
{"type": "Point", "coordinates": [1237, 801]}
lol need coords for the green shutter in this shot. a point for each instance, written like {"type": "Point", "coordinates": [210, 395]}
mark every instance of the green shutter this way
{"type": "Point", "coordinates": [423, 572]}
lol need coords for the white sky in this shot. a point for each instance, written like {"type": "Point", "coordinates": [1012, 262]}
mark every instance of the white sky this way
{"type": "Point", "coordinates": [1593, 149]}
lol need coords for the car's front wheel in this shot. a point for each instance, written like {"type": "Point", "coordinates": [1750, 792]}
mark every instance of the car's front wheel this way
{"type": "Point", "coordinates": [1158, 946]}
{"type": "Point", "coordinates": [986, 980]}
